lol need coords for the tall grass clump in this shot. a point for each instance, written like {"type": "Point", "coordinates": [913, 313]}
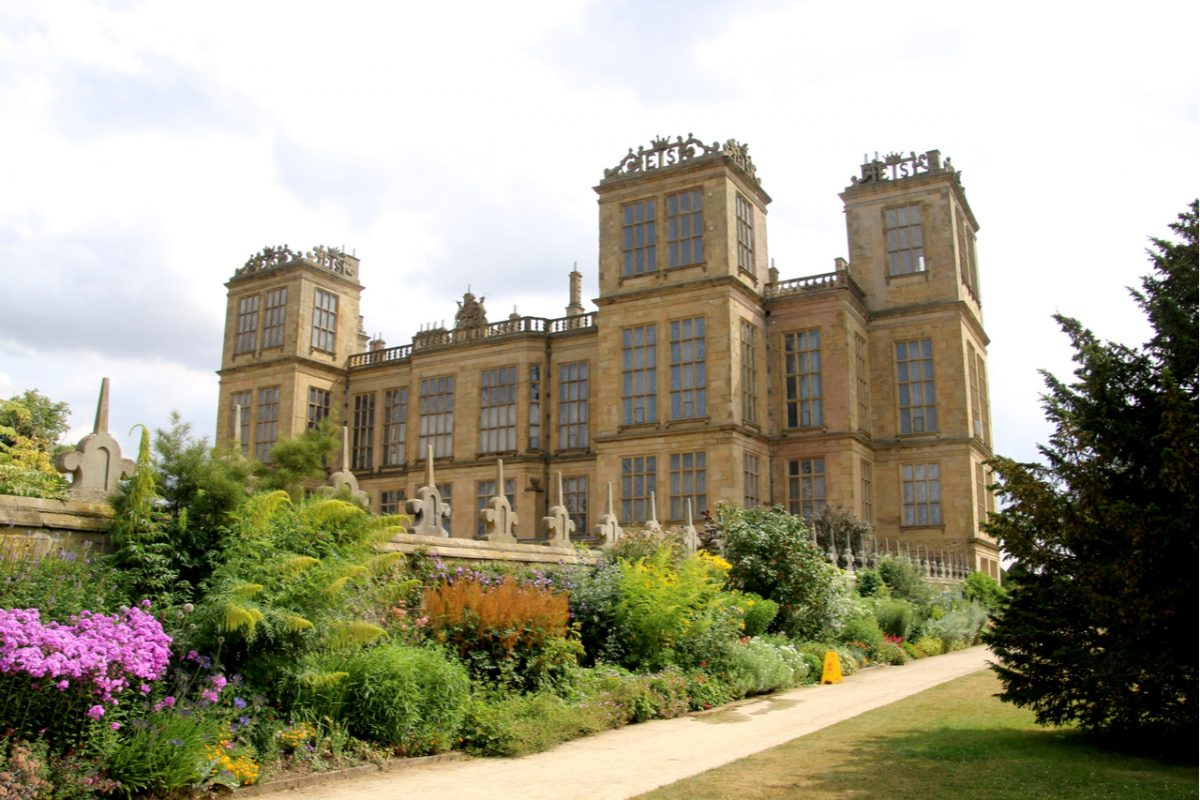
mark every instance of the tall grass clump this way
{"type": "Point", "coordinates": [413, 699]}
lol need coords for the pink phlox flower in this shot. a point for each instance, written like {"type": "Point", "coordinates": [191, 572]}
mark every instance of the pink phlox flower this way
{"type": "Point", "coordinates": [96, 712]}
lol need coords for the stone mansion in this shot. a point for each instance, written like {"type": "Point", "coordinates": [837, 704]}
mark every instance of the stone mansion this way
{"type": "Point", "coordinates": [702, 376]}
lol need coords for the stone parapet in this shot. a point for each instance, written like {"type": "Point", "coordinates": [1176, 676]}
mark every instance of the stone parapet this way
{"type": "Point", "coordinates": [49, 524]}
{"type": "Point", "coordinates": [479, 550]}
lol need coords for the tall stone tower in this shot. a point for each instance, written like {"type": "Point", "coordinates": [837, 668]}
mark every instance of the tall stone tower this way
{"type": "Point", "coordinates": [912, 250]}
{"type": "Point", "coordinates": [682, 265]}
{"type": "Point", "coordinates": [291, 324]}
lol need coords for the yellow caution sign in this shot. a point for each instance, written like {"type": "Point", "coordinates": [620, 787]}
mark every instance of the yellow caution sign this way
{"type": "Point", "coordinates": [833, 668]}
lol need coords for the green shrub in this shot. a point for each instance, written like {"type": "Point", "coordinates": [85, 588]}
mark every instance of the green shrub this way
{"type": "Point", "coordinates": [663, 610]}
{"type": "Point", "coordinates": [801, 667]}
{"type": "Point", "coordinates": [983, 589]}
{"type": "Point", "coordinates": [906, 580]}
{"type": "Point", "coordinates": [759, 667]}
{"type": "Point", "coordinates": [59, 583]}
{"type": "Point", "coordinates": [634, 697]}
{"type": "Point", "coordinates": [891, 653]}
{"type": "Point", "coordinates": [516, 725]}
{"type": "Point", "coordinates": [863, 629]}
{"type": "Point", "coordinates": [772, 554]}
{"type": "Point", "coordinates": [869, 583]}
{"type": "Point", "coordinates": [929, 646]}
{"type": "Point", "coordinates": [593, 599]}
{"type": "Point", "coordinates": [960, 627]}
{"type": "Point", "coordinates": [414, 699]}
{"type": "Point", "coordinates": [708, 689]}
{"type": "Point", "coordinates": [895, 616]}
{"type": "Point", "coordinates": [758, 613]}
{"type": "Point", "coordinates": [296, 578]}
{"type": "Point", "coordinates": [166, 755]}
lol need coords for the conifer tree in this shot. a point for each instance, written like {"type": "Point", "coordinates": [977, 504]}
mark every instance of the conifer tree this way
{"type": "Point", "coordinates": [1101, 627]}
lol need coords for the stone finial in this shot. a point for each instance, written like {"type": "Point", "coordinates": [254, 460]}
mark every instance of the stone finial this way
{"type": "Point", "coordinates": [95, 463]}
{"type": "Point", "coordinates": [609, 530]}
{"type": "Point", "coordinates": [498, 518]}
{"type": "Point", "coordinates": [344, 478]}
{"type": "Point", "coordinates": [559, 525]}
{"type": "Point", "coordinates": [848, 555]}
{"type": "Point", "coordinates": [691, 538]}
{"type": "Point", "coordinates": [653, 524]}
{"type": "Point", "coordinates": [428, 509]}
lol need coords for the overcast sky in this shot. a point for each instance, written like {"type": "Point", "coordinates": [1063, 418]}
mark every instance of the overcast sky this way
{"type": "Point", "coordinates": [147, 149]}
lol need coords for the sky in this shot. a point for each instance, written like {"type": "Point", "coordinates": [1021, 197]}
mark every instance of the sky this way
{"type": "Point", "coordinates": [147, 149]}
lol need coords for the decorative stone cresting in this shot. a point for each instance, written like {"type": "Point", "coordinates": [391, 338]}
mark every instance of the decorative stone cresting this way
{"type": "Point", "coordinates": [559, 525]}
{"type": "Point", "coordinates": [498, 518]}
{"type": "Point", "coordinates": [343, 478]}
{"type": "Point", "coordinates": [428, 509]}
{"type": "Point", "coordinates": [95, 463]}
{"type": "Point", "coordinates": [609, 530]}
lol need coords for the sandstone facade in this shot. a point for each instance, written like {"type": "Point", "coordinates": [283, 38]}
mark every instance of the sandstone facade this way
{"type": "Point", "coordinates": [701, 376]}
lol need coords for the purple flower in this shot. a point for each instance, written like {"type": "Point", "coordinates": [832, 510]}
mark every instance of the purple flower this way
{"type": "Point", "coordinates": [166, 702]}
{"type": "Point", "coordinates": [239, 702]}
{"type": "Point", "coordinates": [116, 726]}
{"type": "Point", "coordinates": [96, 712]}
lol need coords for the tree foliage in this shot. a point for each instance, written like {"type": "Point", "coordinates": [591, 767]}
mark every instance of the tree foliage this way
{"type": "Point", "coordinates": [36, 416]}
{"type": "Point", "coordinates": [200, 487]}
{"type": "Point", "coordinates": [300, 460]}
{"type": "Point", "coordinates": [142, 554]}
{"type": "Point", "coordinates": [30, 425]}
{"type": "Point", "coordinates": [1101, 627]}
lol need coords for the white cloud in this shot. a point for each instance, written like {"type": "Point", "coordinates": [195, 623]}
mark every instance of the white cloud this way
{"type": "Point", "coordinates": [149, 148]}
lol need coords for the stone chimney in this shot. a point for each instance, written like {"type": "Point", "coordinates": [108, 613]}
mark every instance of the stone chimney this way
{"type": "Point", "coordinates": [576, 306]}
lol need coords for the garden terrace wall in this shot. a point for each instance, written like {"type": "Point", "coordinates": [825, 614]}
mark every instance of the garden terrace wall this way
{"type": "Point", "coordinates": [46, 525]}
{"type": "Point", "coordinates": [482, 550]}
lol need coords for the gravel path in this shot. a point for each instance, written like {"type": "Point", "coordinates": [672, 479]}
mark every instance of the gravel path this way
{"type": "Point", "coordinates": [623, 763]}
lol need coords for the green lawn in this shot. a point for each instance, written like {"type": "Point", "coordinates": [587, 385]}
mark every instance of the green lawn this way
{"type": "Point", "coordinates": [955, 741]}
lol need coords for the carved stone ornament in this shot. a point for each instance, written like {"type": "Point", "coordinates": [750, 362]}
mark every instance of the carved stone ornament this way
{"type": "Point", "coordinates": [662, 152]}
{"type": "Point", "coordinates": [95, 463]}
{"type": "Point", "coordinates": [609, 529]}
{"type": "Point", "coordinates": [428, 510]}
{"type": "Point", "coordinates": [269, 258]}
{"type": "Point", "coordinates": [897, 166]}
{"type": "Point", "coordinates": [689, 534]}
{"type": "Point", "coordinates": [471, 313]}
{"type": "Point", "coordinates": [344, 478]}
{"type": "Point", "coordinates": [559, 525]}
{"type": "Point", "coordinates": [653, 525]}
{"type": "Point", "coordinates": [498, 518]}
{"type": "Point", "coordinates": [333, 259]}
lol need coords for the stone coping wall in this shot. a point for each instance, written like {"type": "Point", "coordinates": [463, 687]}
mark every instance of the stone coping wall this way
{"type": "Point", "coordinates": [46, 525]}
{"type": "Point", "coordinates": [482, 550]}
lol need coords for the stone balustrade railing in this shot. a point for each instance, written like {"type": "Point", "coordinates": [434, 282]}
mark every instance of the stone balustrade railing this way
{"type": "Point", "coordinates": [448, 338]}
{"type": "Point", "coordinates": [828, 280]}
